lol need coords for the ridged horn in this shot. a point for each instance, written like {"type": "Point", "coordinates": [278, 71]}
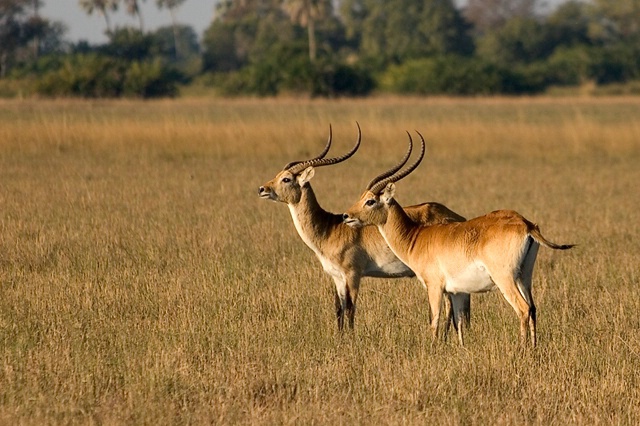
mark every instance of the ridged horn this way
{"type": "Point", "coordinates": [394, 168]}
{"type": "Point", "coordinates": [318, 162]}
{"type": "Point", "coordinates": [322, 154]}
{"type": "Point", "coordinates": [378, 186]}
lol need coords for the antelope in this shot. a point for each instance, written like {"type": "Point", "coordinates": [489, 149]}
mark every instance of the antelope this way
{"type": "Point", "coordinates": [347, 254]}
{"type": "Point", "coordinates": [498, 249]}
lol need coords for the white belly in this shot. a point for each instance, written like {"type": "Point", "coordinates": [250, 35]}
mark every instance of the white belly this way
{"type": "Point", "coordinates": [329, 267]}
{"type": "Point", "coordinates": [391, 269]}
{"type": "Point", "coordinates": [473, 278]}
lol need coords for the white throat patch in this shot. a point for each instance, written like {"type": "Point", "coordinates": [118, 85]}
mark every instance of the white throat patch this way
{"type": "Point", "coordinates": [329, 267]}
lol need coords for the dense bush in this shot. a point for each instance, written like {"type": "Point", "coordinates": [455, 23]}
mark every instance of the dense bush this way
{"type": "Point", "coordinates": [100, 76]}
{"type": "Point", "coordinates": [220, 52]}
{"type": "Point", "coordinates": [295, 74]}
{"type": "Point", "coordinates": [347, 80]}
{"type": "Point", "coordinates": [615, 64]}
{"type": "Point", "coordinates": [569, 67]}
{"type": "Point", "coordinates": [148, 79]}
{"type": "Point", "coordinates": [128, 43]}
{"type": "Point", "coordinates": [454, 75]}
{"type": "Point", "coordinates": [326, 78]}
{"type": "Point", "coordinates": [91, 76]}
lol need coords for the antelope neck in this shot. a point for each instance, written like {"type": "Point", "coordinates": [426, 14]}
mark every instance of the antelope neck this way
{"type": "Point", "coordinates": [399, 230]}
{"type": "Point", "coordinates": [312, 222]}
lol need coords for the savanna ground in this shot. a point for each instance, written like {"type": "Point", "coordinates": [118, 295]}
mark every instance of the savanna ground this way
{"type": "Point", "coordinates": [142, 280]}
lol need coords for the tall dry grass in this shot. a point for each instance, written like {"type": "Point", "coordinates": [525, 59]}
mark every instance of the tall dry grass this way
{"type": "Point", "coordinates": [142, 280]}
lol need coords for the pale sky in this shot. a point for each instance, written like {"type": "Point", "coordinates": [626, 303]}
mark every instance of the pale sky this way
{"type": "Point", "coordinates": [80, 26]}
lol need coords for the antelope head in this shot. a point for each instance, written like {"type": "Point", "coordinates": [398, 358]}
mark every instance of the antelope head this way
{"type": "Point", "coordinates": [287, 186]}
{"type": "Point", "coordinates": [373, 206]}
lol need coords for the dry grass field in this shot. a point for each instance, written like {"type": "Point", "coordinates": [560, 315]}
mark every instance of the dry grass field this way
{"type": "Point", "coordinates": [142, 280]}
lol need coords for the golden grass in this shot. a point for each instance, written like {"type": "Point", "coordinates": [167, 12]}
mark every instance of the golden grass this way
{"type": "Point", "coordinates": [142, 280]}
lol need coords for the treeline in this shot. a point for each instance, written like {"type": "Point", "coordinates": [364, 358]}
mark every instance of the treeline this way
{"type": "Point", "coordinates": [337, 48]}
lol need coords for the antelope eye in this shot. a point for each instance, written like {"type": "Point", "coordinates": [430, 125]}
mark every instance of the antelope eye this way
{"type": "Point", "coordinates": [286, 180]}
{"type": "Point", "coordinates": [370, 203]}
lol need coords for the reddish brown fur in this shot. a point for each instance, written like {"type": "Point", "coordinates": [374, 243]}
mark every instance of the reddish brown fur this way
{"type": "Point", "coordinates": [493, 249]}
{"type": "Point", "coordinates": [348, 254]}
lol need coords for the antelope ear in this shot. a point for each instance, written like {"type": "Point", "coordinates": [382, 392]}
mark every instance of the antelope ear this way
{"type": "Point", "coordinates": [388, 193]}
{"type": "Point", "coordinates": [305, 176]}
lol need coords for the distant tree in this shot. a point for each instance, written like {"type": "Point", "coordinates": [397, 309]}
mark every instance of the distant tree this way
{"type": "Point", "coordinates": [24, 34]}
{"type": "Point", "coordinates": [520, 40]}
{"type": "Point", "coordinates": [164, 41]}
{"type": "Point", "coordinates": [245, 31]}
{"type": "Point", "coordinates": [103, 7]}
{"type": "Point", "coordinates": [128, 43]}
{"type": "Point", "coordinates": [51, 39]}
{"type": "Point", "coordinates": [306, 13]}
{"type": "Point", "coordinates": [189, 64]}
{"type": "Point", "coordinates": [172, 6]}
{"type": "Point", "coordinates": [259, 47]}
{"type": "Point", "coordinates": [133, 9]}
{"type": "Point", "coordinates": [397, 30]}
{"type": "Point", "coordinates": [527, 39]}
{"type": "Point", "coordinates": [616, 20]}
{"type": "Point", "coordinates": [11, 15]}
{"type": "Point", "coordinates": [35, 4]}
{"type": "Point", "coordinates": [274, 33]}
{"type": "Point", "coordinates": [569, 24]}
{"type": "Point", "coordinates": [489, 15]}
{"type": "Point", "coordinates": [221, 50]}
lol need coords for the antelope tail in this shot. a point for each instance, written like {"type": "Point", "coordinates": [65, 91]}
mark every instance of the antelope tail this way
{"type": "Point", "coordinates": [535, 233]}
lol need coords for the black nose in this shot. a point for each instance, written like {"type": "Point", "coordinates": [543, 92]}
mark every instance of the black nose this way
{"type": "Point", "coordinates": [345, 216]}
{"type": "Point", "coordinates": [260, 190]}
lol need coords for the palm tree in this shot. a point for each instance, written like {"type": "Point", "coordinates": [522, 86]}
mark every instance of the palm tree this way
{"type": "Point", "coordinates": [307, 13]}
{"type": "Point", "coordinates": [103, 7]}
{"type": "Point", "coordinates": [35, 4]}
{"type": "Point", "coordinates": [172, 5]}
{"type": "Point", "coordinates": [133, 9]}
